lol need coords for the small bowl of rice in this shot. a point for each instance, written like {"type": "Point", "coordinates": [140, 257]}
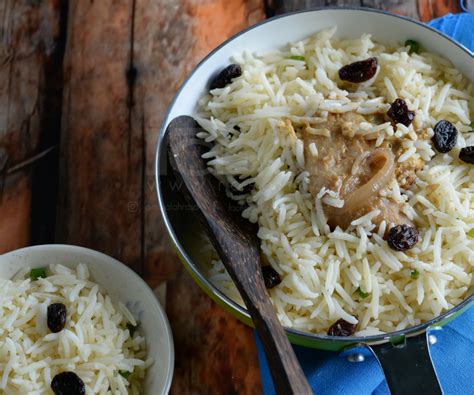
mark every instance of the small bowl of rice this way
{"type": "Point", "coordinates": [75, 321]}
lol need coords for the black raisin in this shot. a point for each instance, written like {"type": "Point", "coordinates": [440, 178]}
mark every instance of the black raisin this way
{"type": "Point", "coordinates": [56, 317]}
{"type": "Point", "coordinates": [445, 136]}
{"type": "Point", "coordinates": [225, 76]}
{"type": "Point", "coordinates": [270, 277]}
{"type": "Point", "coordinates": [467, 154]}
{"type": "Point", "coordinates": [402, 237]}
{"type": "Point", "coordinates": [399, 113]}
{"type": "Point", "coordinates": [360, 71]}
{"type": "Point", "coordinates": [342, 328]}
{"type": "Point", "coordinates": [237, 127]}
{"type": "Point", "coordinates": [68, 383]}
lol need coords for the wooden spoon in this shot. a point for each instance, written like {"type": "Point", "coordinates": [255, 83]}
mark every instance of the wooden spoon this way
{"type": "Point", "coordinates": [235, 239]}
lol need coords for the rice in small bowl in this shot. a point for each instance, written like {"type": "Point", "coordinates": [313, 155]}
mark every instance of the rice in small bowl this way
{"type": "Point", "coordinates": [72, 315]}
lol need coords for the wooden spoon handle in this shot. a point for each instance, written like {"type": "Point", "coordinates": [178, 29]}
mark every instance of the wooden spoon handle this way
{"type": "Point", "coordinates": [288, 377]}
{"type": "Point", "coordinates": [244, 268]}
{"type": "Point", "coordinates": [238, 246]}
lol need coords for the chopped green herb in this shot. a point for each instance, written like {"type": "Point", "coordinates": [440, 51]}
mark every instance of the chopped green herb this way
{"type": "Point", "coordinates": [298, 57]}
{"type": "Point", "coordinates": [413, 46]}
{"type": "Point", "coordinates": [37, 273]}
{"type": "Point", "coordinates": [132, 328]}
{"type": "Point", "coordinates": [471, 233]}
{"type": "Point", "coordinates": [361, 293]}
{"type": "Point", "coordinates": [472, 126]}
{"type": "Point", "coordinates": [125, 374]}
{"type": "Point", "coordinates": [414, 274]}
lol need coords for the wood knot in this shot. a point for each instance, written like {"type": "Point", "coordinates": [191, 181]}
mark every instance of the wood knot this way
{"type": "Point", "coordinates": [131, 74]}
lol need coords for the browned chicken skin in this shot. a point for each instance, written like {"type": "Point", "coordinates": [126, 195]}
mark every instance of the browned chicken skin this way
{"type": "Point", "coordinates": [352, 166]}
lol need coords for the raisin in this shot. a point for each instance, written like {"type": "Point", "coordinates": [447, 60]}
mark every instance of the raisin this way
{"type": "Point", "coordinates": [68, 383]}
{"type": "Point", "coordinates": [342, 328]}
{"type": "Point", "coordinates": [399, 113]}
{"type": "Point", "coordinates": [445, 136]}
{"type": "Point", "coordinates": [467, 154]}
{"type": "Point", "coordinates": [360, 71]}
{"type": "Point", "coordinates": [56, 317]}
{"type": "Point", "coordinates": [270, 277]}
{"type": "Point", "coordinates": [402, 237]}
{"type": "Point", "coordinates": [225, 76]}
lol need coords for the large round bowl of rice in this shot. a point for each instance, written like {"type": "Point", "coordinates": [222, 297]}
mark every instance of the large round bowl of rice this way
{"type": "Point", "coordinates": [114, 336]}
{"type": "Point", "coordinates": [270, 126]}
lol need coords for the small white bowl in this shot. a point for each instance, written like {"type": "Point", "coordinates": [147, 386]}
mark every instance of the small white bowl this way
{"type": "Point", "coordinates": [121, 284]}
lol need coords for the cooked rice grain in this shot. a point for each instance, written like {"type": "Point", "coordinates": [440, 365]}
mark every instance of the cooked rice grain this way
{"type": "Point", "coordinates": [321, 271]}
{"type": "Point", "coordinates": [95, 343]}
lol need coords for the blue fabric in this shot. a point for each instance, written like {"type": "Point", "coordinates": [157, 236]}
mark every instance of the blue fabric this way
{"type": "Point", "coordinates": [331, 373]}
{"type": "Point", "coordinates": [458, 26]}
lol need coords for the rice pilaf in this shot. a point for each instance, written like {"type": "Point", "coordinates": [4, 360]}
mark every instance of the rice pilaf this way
{"type": "Point", "coordinates": [256, 125]}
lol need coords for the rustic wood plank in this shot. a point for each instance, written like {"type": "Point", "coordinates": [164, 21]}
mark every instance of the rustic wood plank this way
{"type": "Point", "coordinates": [214, 352]}
{"type": "Point", "coordinates": [29, 51]}
{"type": "Point", "coordinates": [403, 7]}
{"type": "Point", "coordinates": [45, 172]}
{"type": "Point", "coordinates": [123, 63]}
{"type": "Point", "coordinates": [278, 7]}
{"type": "Point", "coordinates": [418, 9]}
{"type": "Point", "coordinates": [101, 154]}
{"type": "Point", "coordinates": [430, 9]}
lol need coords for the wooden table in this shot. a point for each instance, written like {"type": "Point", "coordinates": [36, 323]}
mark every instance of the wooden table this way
{"type": "Point", "coordinates": [84, 85]}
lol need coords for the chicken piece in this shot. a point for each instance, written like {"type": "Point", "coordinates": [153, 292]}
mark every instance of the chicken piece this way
{"type": "Point", "coordinates": [354, 168]}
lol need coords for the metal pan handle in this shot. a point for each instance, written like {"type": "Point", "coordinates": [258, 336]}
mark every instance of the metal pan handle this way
{"type": "Point", "coordinates": [407, 366]}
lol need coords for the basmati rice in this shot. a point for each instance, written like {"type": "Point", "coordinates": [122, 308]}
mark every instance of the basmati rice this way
{"type": "Point", "coordinates": [95, 343]}
{"type": "Point", "coordinates": [321, 270]}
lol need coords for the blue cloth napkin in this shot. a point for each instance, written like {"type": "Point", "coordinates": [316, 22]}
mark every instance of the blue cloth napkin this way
{"type": "Point", "coordinates": [330, 373]}
{"type": "Point", "coordinates": [458, 26]}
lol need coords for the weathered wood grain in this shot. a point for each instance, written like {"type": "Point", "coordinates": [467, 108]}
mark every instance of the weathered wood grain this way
{"type": "Point", "coordinates": [417, 9]}
{"type": "Point", "coordinates": [101, 153]}
{"type": "Point", "coordinates": [403, 7]}
{"type": "Point", "coordinates": [278, 7]}
{"type": "Point", "coordinates": [430, 9]}
{"type": "Point", "coordinates": [29, 50]}
{"type": "Point", "coordinates": [123, 63]}
{"type": "Point", "coordinates": [214, 352]}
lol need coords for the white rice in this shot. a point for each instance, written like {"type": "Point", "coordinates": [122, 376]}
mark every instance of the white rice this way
{"type": "Point", "coordinates": [95, 343]}
{"type": "Point", "coordinates": [321, 271]}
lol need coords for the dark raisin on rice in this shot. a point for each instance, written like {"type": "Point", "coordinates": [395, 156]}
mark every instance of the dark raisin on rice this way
{"type": "Point", "coordinates": [57, 314]}
{"type": "Point", "coordinates": [68, 383]}
{"type": "Point", "coordinates": [360, 71]}
{"type": "Point", "coordinates": [402, 237]}
{"type": "Point", "coordinates": [270, 277]}
{"type": "Point", "coordinates": [226, 76]}
{"type": "Point", "coordinates": [399, 112]}
{"type": "Point", "coordinates": [467, 154]}
{"type": "Point", "coordinates": [342, 328]}
{"type": "Point", "coordinates": [445, 136]}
